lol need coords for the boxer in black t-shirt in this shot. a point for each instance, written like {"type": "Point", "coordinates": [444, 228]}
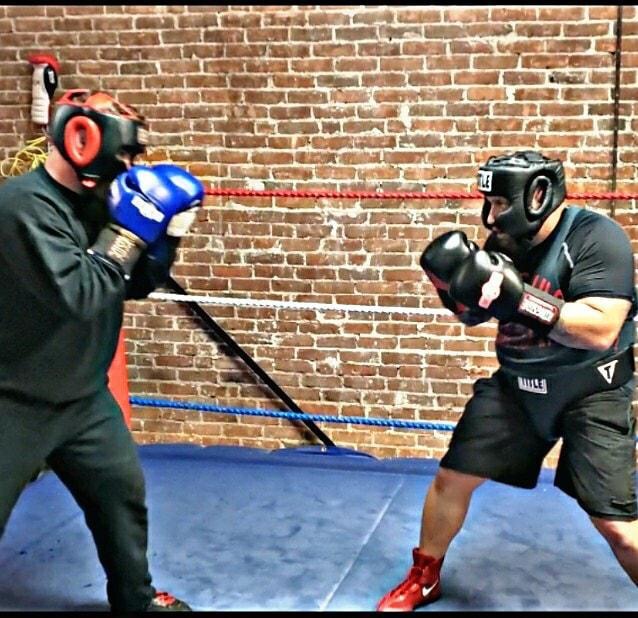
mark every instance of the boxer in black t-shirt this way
{"type": "Point", "coordinates": [560, 282]}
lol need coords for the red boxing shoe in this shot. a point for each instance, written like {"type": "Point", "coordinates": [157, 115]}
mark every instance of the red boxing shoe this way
{"type": "Point", "coordinates": [165, 602]}
{"type": "Point", "coordinates": [422, 585]}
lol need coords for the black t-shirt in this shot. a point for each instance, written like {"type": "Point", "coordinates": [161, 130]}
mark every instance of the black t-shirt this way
{"type": "Point", "coordinates": [587, 254]}
{"type": "Point", "coordinates": [60, 308]}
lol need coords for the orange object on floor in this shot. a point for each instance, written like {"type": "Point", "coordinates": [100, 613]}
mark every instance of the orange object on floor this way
{"type": "Point", "coordinates": [118, 379]}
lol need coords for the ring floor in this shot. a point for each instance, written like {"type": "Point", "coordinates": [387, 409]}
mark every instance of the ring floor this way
{"type": "Point", "coordinates": [240, 529]}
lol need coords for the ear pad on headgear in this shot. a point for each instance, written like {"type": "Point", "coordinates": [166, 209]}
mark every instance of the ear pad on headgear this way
{"type": "Point", "coordinates": [544, 183]}
{"type": "Point", "coordinates": [82, 153]}
{"type": "Point", "coordinates": [485, 211]}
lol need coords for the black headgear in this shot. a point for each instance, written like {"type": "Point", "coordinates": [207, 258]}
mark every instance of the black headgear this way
{"type": "Point", "coordinates": [516, 177]}
{"type": "Point", "coordinates": [109, 128]}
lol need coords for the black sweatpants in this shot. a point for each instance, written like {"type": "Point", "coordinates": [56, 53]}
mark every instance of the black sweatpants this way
{"type": "Point", "coordinates": [88, 446]}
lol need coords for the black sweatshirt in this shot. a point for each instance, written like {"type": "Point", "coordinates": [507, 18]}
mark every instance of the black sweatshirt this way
{"type": "Point", "coordinates": [61, 309]}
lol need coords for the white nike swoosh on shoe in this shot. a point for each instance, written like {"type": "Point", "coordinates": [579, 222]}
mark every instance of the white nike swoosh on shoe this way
{"type": "Point", "coordinates": [425, 591]}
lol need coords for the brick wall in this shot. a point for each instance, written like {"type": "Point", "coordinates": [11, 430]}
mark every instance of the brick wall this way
{"type": "Point", "coordinates": [331, 97]}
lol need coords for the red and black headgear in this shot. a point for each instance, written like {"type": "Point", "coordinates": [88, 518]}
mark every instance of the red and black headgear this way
{"type": "Point", "coordinates": [90, 129]}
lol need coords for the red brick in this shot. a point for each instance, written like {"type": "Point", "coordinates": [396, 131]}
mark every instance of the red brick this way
{"type": "Point", "coordinates": [603, 12]}
{"type": "Point", "coordinates": [380, 17]}
{"type": "Point", "coordinates": [562, 14]}
{"type": "Point", "coordinates": [418, 15]}
{"type": "Point", "coordinates": [310, 34]}
{"type": "Point", "coordinates": [489, 30]}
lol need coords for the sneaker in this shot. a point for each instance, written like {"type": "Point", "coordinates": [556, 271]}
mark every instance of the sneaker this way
{"type": "Point", "coordinates": [165, 602]}
{"type": "Point", "coordinates": [422, 585]}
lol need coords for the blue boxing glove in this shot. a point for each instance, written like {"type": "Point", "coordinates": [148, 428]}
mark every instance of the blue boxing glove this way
{"type": "Point", "coordinates": [144, 200]}
{"type": "Point", "coordinates": [153, 267]}
{"type": "Point", "coordinates": [146, 203]}
{"type": "Point", "coordinates": [181, 222]}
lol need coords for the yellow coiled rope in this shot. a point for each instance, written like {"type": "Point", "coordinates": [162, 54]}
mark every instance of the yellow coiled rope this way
{"type": "Point", "coordinates": [27, 158]}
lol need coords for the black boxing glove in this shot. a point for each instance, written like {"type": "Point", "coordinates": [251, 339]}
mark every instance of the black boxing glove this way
{"type": "Point", "coordinates": [439, 260]}
{"type": "Point", "coordinates": [490, 281]}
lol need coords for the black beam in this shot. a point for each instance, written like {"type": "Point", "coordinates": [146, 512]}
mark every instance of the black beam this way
{"type": "Point", "coordinates": [223, 336]}
{"type": "Point", "coordinates": [616, 97]}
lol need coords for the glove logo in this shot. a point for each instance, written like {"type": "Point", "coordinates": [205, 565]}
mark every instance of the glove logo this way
{"type": "Point", "coordinates": [539, 309]}
{"type": "Point", "coordinates": [147, 209]}
{"type": "Point", "coordinates": [485, 181]}
{"type": "Point", "coordinates": [490, 290]}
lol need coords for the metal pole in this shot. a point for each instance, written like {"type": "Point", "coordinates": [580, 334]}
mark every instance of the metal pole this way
{"type": "Point", "coordinates": [614, 147]}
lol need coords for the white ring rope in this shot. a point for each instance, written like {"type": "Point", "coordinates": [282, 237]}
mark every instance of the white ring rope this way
{"type": "Point", "coordinates": [284, 304]}
{"type": "Point", "coordinates": [288, 304]}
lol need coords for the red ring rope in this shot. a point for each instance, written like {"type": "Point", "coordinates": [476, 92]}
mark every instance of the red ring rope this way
{"type": "Point", "coordinates": [395, 195]}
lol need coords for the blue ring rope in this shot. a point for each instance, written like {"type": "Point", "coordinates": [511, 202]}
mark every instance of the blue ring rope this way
{"type": "Point", "coordinates": [355, 420]}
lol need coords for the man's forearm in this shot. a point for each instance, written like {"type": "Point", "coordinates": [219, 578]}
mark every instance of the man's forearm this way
{"type": "Point", "coordinates": [583, 326]}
